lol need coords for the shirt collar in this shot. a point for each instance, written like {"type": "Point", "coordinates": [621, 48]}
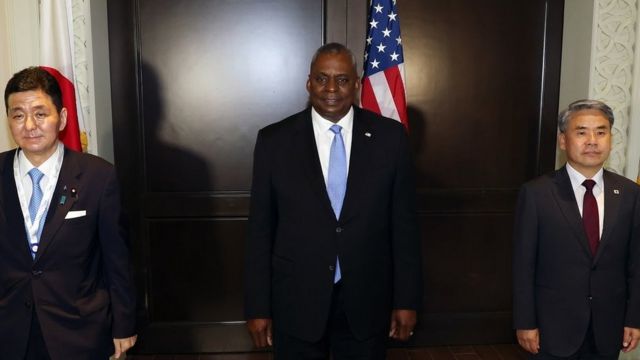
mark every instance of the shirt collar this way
{"type": "Point", "coordinates": [323, 124]}
{"type": "Point", "coordinates": [577, 178]}
{"type": "Point", "coordinates": [47, 167]}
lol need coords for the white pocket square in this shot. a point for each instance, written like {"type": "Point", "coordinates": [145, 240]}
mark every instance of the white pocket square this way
{"type": "Point", "coordinates": [76, 214]}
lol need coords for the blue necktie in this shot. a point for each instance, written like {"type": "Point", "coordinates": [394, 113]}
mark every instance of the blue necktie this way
{"type": "Point", "coordinates": [34, 204]}
{"type": "Point", "coordinates": [337, 179]}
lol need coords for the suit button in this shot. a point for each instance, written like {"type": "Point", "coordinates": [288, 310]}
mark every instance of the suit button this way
{"type": "Point", "coordinates": [331, 267]}
{"type": "Point", "coordinates": [338, 229]}
{"type": "Point", "coordinates": [28, 303]}
{"type": "Point", "coordinates": [36, 273]}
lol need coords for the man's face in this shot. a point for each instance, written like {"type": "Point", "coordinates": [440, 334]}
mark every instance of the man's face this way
{"type": "Point", "coordinates": [35, 123]}
{"type": "Point", "coordinates": [332, 85]}
{"type": "Point", "coordinates": [587, 141]}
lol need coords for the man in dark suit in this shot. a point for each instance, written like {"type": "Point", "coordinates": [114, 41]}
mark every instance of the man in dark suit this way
{"type": "Point", "coordinates": [576, 262]}
{"type": "Point", "coordinates": [66, 290]}
{"type": "Point", "coordinates": [333, 255]}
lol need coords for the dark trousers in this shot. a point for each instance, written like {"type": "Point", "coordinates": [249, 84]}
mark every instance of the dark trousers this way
{"type": "Point", "coordinates": [587, 351]}
{"type": "Point", "coordinates": [337, 342]}
{"type": "Point", "coordinates": [36, 348]}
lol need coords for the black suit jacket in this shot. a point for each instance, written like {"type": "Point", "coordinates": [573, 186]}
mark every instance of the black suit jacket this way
{"type": "Point", "coordinates": [79, 282]}
{"type": "Point", "coordinates": [558, 285]}
{"type": "Point", "coordinates": [294, 237]}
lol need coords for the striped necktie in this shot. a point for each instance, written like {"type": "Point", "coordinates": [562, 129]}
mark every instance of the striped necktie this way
{"type": "Point", "coordinates": [34, 204]}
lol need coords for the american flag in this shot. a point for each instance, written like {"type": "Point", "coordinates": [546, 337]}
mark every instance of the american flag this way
{"type": "Point", "coordinates": [383, 89]}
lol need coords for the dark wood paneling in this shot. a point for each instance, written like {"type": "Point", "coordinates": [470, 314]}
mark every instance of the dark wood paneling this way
{"type": "Point", "coordinates": [193, 80]}
{"type": "Point", "coordinates": [475, 73]}
{"type": "Point", "coordinates": [467, 263]}
{"type": "Point", "coordinates": [183, 253]}
{"type": "Point", "coordinates": [213, 73]}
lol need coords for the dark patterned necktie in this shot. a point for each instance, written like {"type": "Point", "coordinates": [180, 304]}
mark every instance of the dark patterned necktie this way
{"type": "Point", "coordinates": [590, 218]}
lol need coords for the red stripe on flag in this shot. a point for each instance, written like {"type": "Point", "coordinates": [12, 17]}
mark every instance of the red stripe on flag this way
{"type": "Point", "coordinates": [368, 98]}
{"type": "Point", "coordinates": [70, 136]}
{"type": "Point", "coordinates": [396, 86]}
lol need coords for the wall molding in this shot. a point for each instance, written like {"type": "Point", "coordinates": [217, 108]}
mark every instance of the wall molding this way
{"type": "Point", "coordinates": [612, 63]}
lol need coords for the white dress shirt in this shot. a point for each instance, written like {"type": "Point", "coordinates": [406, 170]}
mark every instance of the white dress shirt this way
{"type": "Point", "coordinates": [50, 170]}
{"type": "Point", "coordinates": [324, 138]}
{"type": "Point", "coordinates": [579, 190]}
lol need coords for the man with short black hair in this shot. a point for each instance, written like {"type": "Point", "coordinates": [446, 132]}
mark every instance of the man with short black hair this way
{"type": "Point", "coordinates": [66, 290]}
{"type": "Point", "coordinates": [333, 261]}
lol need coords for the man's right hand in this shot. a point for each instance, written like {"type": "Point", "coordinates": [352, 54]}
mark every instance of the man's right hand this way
{"type": "Point", "coordinates": [260, 330]}
{"type": "Point", "coordinates": [529, 340]}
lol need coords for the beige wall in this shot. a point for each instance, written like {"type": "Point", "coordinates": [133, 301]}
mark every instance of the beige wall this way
{"type": "Point", "coordinates": [576, 56]}
{"type": "Point", "coordinates": [18, 47]}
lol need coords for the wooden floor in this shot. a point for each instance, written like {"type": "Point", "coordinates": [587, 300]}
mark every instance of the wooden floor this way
{"type": "Point", "coordinates": [471, 352]}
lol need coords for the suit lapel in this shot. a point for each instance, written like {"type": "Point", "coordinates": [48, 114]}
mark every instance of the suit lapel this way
{"type": "Point", "coordinates": [566, 199]}
{"type": "Point", "coordinates": [612, 196]}
{"type": "Point", "coordinates": [359, 163]}
{"type": "Point", "coordinates": [16, 231]}
{"type": "Point", "coordinates": [307, 153]}
{"type": "Point", "coordinates": [61, 202]}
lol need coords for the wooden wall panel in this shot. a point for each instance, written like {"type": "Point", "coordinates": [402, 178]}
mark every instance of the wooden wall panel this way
{"type": "Point", "coordinates": [196, 268]}
{"type": "Point", "coordinates": [213, 73]}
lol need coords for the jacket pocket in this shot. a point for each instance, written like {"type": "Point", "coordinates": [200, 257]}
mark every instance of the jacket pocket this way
{"type": "Point", "coordinates": [93, 303]}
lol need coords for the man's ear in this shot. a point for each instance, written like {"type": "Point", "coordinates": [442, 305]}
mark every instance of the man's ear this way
{"type": "Point", "coordinates": [63, 119]}
{"type": "Point", "coordinates": [562, 141]}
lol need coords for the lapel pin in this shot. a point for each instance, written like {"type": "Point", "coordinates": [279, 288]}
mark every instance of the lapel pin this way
{"type": "Point", "coordinates": [367, 134]}
{"type": "Point", "coordinates": [64, 188]}
{"type": "Point", "coordinates": [74, 193]}
{"type": "Point", "coordinates": [63, 199]}
{"type": "Point", "coordinates": [616, 191]}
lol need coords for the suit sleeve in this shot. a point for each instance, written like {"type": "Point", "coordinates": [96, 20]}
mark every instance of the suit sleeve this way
{"type": "Point", "coordinates": [113, 237]}
{"type": "Point", "coordinates": [407, 254]}
{"type": "Point", "coordinates": [632, 318]}
{"type": "Point", "coordinates": [525, 243]}
{"type": "Point", "coordinates": [262, 218]}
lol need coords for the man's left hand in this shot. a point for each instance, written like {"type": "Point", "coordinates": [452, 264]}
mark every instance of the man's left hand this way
{"type": "Point", "coordinates": [630, 339]}
{"type": "Point", "coordinates": [122, 345]}
{"type": "Point", "coordinates": [402, 324]}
